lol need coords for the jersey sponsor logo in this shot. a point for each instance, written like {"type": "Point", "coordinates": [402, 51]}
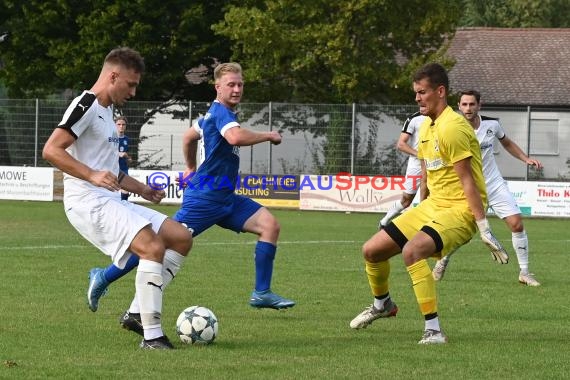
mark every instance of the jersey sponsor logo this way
{"type": "Point", "coordinates": [434, 164]}
{"type": "Point", "coordinates": [113, 139]}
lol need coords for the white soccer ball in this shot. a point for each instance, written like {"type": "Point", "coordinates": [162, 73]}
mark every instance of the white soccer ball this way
{"type": "Point", "coordinates": [197, 325]}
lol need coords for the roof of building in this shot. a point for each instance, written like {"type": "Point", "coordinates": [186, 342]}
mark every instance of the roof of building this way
{"type": "Point", "coordinates": [528, 66]}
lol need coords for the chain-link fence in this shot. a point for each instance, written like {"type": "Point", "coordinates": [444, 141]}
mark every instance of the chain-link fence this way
{"type": "Point", "coordinates": [317, 138]}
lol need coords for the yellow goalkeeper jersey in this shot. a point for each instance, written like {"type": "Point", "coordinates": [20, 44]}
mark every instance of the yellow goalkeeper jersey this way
{"type": "Point", "coordinates": [443, 142]}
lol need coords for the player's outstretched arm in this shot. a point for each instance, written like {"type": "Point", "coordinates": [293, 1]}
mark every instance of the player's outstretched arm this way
{"type": "Point", "coordinates": [515, 151]}
{"type": "Point", "coordinates": [463, 170]}
{"type": "Point", "coordinates": [245, 137]}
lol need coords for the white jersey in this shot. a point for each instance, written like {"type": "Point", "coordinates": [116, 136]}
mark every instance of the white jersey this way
{"type": "Point", "coordinates": [96, 142]}
{"type": "Point", "coordinates": [412, 128]}
{"type": "Point", "coordinates": [489, 128]}
{"type": "Point", "coordinates": [98, 214]}
{"type": "Point", "coordinates": [414, 168]}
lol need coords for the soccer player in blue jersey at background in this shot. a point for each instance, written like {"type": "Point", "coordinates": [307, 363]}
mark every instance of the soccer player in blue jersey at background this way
{"type": "Point", "coordinates": [124, 158]}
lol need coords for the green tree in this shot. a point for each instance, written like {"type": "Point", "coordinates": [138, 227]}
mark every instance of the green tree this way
{"type": "Point", "coordinates": [517, 13]}
{"type": "Point", "coordinates": [57, 45]}
{"type": "Point", "coordinates": [336, 50]}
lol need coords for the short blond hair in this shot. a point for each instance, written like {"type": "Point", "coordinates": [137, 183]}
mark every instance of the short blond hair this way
{"type": "Point", "coordinates": [224, 68]}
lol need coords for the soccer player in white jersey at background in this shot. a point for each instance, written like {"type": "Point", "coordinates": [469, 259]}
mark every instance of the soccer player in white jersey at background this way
{"type": "Point", "coordinates": [85, 147]}
{"type": "Point", "coordinates": [501, 199]}
{"type": "Point", "coordinates": [407, 143]}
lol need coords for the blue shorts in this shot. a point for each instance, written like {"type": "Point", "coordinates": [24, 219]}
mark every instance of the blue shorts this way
{"type": "Point", "coordinates": [199, 214]}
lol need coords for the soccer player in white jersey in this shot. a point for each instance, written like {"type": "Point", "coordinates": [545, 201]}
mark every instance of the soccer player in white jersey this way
{"type": "Point", "coordinates": [501, 199]}
{"type": "Point", "coordinates": [85, 147]}
{"type": "Point", "coordinates": [407, 143]}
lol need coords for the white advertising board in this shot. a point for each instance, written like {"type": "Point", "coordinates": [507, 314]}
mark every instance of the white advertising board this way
{"type": "Point", "coordinates": [26, 183]}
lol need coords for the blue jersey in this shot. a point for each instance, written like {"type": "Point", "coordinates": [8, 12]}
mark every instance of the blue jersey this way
{"type": "Point", "coordinates": [216, 177]}
{"type": "Point", "coordinates": [123, 147]}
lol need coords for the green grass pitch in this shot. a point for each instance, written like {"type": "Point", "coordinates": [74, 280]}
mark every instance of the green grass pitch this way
{"type": "Point", "coordinates": [498, 329]}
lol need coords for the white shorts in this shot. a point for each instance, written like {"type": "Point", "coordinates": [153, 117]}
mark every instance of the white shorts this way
{"type": "Point", "coordinates": [413, 176]}
{"type": "Point", "coordinates": [502, 202]}
{"type": "Point", "coordinates": [110, 224]}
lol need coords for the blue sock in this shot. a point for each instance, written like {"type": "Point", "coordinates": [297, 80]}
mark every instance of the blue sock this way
{"type": "Point", "coordinates": [113, 273]}
{"type": "Point", "coordinates": [264, 256]}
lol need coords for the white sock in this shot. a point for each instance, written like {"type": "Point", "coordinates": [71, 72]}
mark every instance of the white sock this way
{"type": "Point", "coordinates": [432, 324]}
{"type": "Point", "coordinates": [394, 210]}
{"type": "Point", "coordinates": [149, 286]}
{"type": "Point", "coordinates": [520, 244]}
{"type": "Point", "coordinates": [379, 303]}
{"type": "Point", "coordinates": [170, 266]}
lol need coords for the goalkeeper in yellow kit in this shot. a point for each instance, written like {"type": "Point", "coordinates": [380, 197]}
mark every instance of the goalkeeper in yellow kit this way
{"type": "Point", "coordinates": [453, 206]}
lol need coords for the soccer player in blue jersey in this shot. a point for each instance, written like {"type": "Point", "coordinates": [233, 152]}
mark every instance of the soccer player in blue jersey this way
{"type": "Point", "coordinates": [210, 199]}
{"type": "Point", "coordinates": [124, 158]}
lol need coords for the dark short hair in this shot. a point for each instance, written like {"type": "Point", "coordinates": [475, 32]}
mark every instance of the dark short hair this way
{"type": "Point", "coordinates": [434, 73]}
{"type": "Point", "coordinates": [127, 57]}
{"type": "Point", "coordinates": [474, 93]}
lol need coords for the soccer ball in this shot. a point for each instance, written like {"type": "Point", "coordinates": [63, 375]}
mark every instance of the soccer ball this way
{"type": "Point", "coordinates": [197, 325]}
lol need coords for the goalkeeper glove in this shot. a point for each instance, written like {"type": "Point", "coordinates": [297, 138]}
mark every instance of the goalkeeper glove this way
{"type": "Point", "coordinates": [497, 251]}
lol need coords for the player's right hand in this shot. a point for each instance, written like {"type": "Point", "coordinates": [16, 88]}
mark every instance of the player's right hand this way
{"type": "Point", "coordinates": [105, 179]}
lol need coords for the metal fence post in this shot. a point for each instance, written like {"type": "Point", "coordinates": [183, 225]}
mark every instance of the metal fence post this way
{"type": "Point", "coordinates": [352, 138]}
{"type": "Point", "coordinates": [269, 169]}
{"type": "Point", "coordinates": [171, 150]}
{"type": "Point", "coordinates": [528, 111]}
{"type": "Point", "coordinates": [36, 133]}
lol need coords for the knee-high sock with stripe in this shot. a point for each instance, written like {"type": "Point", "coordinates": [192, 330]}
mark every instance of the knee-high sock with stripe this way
{"type": "Point", "coordinates": [148, 283]}
{"type": "Point", "coordinates": [170, 266]}
{"type": "Point", "coordinates": [520, 244]}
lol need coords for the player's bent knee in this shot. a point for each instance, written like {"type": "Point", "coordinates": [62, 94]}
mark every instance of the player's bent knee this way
{"type": "Point", "coordinates": [151, 249]}
{"type": "Point", "coordinates": [369, 252]}
{"type": "Point", "coordinates": [176, 237]}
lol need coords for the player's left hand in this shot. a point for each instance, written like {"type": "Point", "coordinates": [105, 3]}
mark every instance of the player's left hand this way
{"type": "Point", "coordinates": [152, 195]}
{"type": "Point", "coordinates": [498, 252]}
{"type": "Point", "coordinates": [533, 162]}
{"type": "Point", "coordinates": [275, 137]}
